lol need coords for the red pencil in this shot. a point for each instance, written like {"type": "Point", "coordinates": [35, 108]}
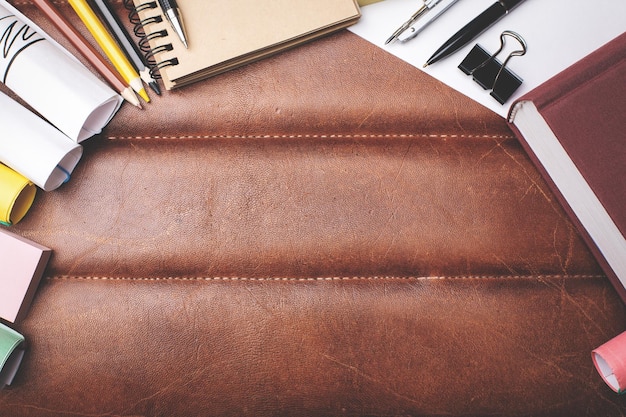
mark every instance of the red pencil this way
{"type": "Point", "coordinates": [88, 51]}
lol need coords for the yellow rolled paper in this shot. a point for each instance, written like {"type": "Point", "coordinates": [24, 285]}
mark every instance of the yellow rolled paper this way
{"type": "Point", "coordinates": [17, 194]}
{"type": "Point", "coordinates": [366, 2]}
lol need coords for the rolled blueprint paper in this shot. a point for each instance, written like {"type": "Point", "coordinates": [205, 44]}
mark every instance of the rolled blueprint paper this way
{"type": "Point", "coordinates": [11, 354]}
{"type": "Point", "coordinates": [34, 148]}
{"type": "Point", "coordinates": [17, 194]}
{"type": "Point", "coordinates": [54, 83]}
{"type": "Point", "coordinates": [610, 361]}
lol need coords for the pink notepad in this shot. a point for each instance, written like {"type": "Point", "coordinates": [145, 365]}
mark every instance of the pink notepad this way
{"type": "Point", "coordinates": [22, 263]}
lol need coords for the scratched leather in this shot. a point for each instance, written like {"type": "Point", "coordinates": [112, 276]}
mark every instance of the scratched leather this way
{"type": "Point", "coordinates": [325, 232]}
{"type": "Point", "coordinates": [305, 207]}
{"type": "Point", "coordinates": [358, 347]}
{"type": "Point", "coordinates": [311, 163]}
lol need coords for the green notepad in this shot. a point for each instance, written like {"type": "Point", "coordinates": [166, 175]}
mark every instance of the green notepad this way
{"type": "Point", "coordinates": [11, 354]}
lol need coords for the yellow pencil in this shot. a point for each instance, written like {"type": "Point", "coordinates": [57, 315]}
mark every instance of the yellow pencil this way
{"type": "Point", "coordinates": [108, 45]}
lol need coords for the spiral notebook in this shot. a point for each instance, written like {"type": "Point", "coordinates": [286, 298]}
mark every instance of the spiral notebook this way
{"type": "Point", "coordinates": [225, 34]}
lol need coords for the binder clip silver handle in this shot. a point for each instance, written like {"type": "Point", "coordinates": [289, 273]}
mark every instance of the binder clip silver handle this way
{"type": "Point", "coordinates": [490, 73]}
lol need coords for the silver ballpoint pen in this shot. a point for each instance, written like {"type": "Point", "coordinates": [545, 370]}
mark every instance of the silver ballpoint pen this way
{"type": "Point", "coordinates": [172, 13]}
{"type": "Point", "coordinates": [410, 29]}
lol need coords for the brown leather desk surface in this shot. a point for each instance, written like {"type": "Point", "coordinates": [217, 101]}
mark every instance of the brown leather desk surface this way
{"type": "Point", "coordinates": [325, 232]}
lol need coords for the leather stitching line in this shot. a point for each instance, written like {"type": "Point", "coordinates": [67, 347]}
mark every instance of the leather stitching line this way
{"type": "Point", "coordinates": [322, 279]}
{"type": "Point", "coordinates": [298, 136]}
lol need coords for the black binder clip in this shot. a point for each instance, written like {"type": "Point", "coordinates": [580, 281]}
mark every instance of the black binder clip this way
{"type": "Point", "coordinates": [490, 73]}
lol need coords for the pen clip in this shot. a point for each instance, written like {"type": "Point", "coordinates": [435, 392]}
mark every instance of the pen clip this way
{"type": "Point", "coordinates": [409, 23]}
{"type": "Point", "coordinates": [408, 34]}
{"type": "Point", "coordinates": [420, 19]}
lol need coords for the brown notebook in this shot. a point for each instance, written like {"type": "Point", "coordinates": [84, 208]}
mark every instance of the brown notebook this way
{"type": "Point", "coordinates": [225, 34]}
{"type": "Point", "coordinates": [573, 126]}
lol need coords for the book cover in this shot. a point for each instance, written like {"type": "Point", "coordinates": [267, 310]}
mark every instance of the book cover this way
{"type": "Point", "coordinates": [574, 129]}
{"type": "Point", "coordinates": [22, 264]}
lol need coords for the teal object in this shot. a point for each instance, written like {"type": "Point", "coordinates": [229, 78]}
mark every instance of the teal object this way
{"type": "Point", "coordinates": [11, 354]}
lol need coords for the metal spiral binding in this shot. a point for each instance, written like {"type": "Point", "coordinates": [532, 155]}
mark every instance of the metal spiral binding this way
{"type": "Point", "coordinates": [139, 26]}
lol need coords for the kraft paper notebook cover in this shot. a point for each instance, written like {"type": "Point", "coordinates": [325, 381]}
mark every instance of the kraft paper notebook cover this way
{"type": "Point", "coordinates": [573, 126]}
{"type": "Point", "coordinates": [225, 34]}
{"type": "Point", "coordinates": [22, 263]}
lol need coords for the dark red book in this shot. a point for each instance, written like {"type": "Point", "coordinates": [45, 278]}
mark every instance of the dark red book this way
{"type": "Point", "coordinates": [573, 126]}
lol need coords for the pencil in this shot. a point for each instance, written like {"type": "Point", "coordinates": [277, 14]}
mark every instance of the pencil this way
{"type": "Point", "coordinates": [116, 29]}
{"type": "Point", "coordinates": [105, 69]}
{"type": "Point", "coordinates": [109, 46]}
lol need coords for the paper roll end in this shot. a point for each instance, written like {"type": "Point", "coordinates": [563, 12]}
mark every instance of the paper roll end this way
{"type": "Point", "coordinates": [610, 362]}
{"type": "Point", "coordinates": [17, 194]}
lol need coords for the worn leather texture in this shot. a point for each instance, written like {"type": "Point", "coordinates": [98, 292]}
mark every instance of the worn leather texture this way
{"type": "Point", "coordinates": [328, 231]}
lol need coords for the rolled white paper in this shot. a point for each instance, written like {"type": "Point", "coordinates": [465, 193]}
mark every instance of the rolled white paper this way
{"type": "Point", "coordinates": [35, 148]}
{"type": "Point", "coordinates": [47, 77]}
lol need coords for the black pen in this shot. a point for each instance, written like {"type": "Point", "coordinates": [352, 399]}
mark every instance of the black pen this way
{"type": "Point", "coordinates": [474, 28]}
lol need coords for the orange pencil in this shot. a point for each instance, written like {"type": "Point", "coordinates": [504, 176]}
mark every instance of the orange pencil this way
{"type": "Point", "coordinates": [88, 51]}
